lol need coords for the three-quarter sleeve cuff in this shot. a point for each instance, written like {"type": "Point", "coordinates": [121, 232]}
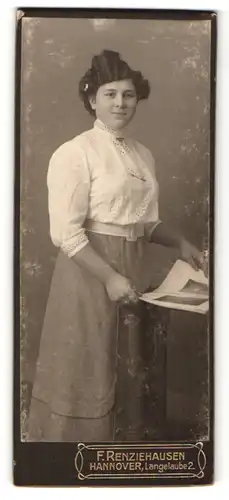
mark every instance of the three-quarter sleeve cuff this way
{"type": "Point", "coordinates": [76, 244]}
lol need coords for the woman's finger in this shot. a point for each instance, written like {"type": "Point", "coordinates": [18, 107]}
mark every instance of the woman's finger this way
{"type": "Point", "coordinates": [199, 260]}
{"type": "Point", "coordinates": [131, 296]}
{"type": "Point", "coordinates": [193, 263]}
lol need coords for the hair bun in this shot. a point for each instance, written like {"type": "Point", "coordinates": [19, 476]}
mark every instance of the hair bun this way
{"type": "Point", "coordinates": [105, 57]}
{"type": "Point", "coordinates": [105, 66]}
{"type": "Point", "coordinates": [111, 54]}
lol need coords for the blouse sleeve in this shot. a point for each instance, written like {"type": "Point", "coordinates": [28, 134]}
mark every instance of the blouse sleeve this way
{"type": "Point", "coordinates": [68, 183]}
{"type": "Point", "coordinates": [155, 219]}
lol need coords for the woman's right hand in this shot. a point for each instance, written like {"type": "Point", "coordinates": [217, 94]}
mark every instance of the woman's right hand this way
{"type": "Point", "coordinates": [120, 288]}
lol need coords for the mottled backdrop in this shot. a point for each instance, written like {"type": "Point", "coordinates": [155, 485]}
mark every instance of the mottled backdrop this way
{"type": "Point", "coordinates": [174, 123]}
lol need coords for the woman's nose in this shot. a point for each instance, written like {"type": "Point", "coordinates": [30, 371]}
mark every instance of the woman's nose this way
{"type": "Point", "coordinates": [119, 100]}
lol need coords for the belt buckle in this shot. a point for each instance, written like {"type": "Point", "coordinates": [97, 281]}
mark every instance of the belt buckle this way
{"type": "Point", "coordinates": [132, 234]}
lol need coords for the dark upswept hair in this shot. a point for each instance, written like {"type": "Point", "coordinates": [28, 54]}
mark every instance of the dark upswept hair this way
{"type": "Point", "coordinates": [109, 67]}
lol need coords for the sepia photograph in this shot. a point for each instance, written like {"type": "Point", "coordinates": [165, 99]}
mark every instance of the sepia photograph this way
{"type": "Point", "coordinates": [114, 189]}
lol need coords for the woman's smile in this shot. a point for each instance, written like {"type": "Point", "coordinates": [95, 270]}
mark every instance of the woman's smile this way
{"type": "Point", "coordinates": [119, 116]}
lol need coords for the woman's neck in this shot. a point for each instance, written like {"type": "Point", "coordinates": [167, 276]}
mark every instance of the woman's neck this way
{"type": "Point", "coordinates": [101, 125]}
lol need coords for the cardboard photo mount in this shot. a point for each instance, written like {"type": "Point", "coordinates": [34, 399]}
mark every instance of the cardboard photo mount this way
{"type": "Point", "coordinates": [169, 459]}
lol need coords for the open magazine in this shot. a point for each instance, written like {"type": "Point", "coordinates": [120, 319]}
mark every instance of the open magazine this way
{"type": "Point", "coordinates": [183, 288]}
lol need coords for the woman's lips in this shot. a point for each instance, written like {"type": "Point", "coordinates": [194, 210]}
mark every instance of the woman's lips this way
{"type": "Point", "coordinates": [120, 115]}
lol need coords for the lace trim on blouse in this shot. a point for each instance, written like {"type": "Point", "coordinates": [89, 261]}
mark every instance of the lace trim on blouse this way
{"type": "Point", "coordinates": [120, 143]}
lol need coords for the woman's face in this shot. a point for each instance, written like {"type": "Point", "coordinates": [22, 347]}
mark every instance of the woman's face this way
{"type": "Point", "coordinates": [115, 103]}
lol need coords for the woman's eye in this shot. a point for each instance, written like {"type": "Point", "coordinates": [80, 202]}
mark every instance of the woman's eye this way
{"type": "Point", "coordinates": [126, 95]}
{"type": "Point", "coordinates": [130, 95]}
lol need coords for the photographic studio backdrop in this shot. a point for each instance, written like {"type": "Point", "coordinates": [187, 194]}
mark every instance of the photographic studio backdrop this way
{"type": "Point", "coordinates": [174, 124]}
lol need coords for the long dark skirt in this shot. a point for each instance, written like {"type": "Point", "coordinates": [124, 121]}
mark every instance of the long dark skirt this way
{"type": "Point", "coordinates": [74, 389]}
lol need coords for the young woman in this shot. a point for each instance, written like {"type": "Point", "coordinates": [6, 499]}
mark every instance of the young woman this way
{"type": "Point", "coordinates": [103, 207]}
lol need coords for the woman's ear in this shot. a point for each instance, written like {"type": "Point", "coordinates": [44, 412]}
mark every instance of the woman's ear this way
{"type": "Point", "coordinates": [92, 102]}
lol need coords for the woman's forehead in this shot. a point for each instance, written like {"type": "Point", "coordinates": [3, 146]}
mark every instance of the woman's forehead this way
{"type": "Point", "coordinates": [119, 85]}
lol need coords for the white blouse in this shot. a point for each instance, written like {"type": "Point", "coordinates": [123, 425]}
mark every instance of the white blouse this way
{"type": "Point", "coordinates": [101, 177]}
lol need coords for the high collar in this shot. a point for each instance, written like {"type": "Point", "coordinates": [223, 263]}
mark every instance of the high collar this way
{"type": "Point", "coordinates": [117, 134]}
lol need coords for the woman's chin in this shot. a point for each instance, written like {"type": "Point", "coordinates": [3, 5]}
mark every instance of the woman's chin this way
{"type": "Point", "coordinates": [119, 122]}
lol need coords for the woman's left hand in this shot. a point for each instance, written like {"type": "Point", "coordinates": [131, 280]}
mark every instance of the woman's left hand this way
{"type": "Point", "coordinates": [191, 254]}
